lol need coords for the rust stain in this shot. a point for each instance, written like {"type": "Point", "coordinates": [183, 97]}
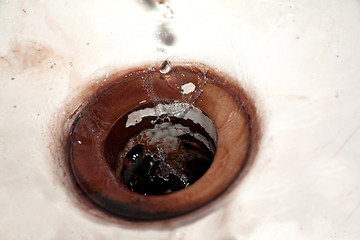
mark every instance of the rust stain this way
{"type": "Point", "coordinates": [27, 55]}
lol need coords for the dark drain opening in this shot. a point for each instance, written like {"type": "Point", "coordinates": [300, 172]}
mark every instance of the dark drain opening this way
{"type": "Point", "coordinates": [159, 144]}
{"type": "Point", "coordinates": [161, 154]}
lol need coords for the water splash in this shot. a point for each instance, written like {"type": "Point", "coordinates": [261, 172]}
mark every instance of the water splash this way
{"type": "Point", "coordinates": [189, 89]}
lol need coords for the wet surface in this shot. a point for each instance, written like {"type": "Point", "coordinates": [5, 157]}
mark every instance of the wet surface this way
{"type": "Point", "coordinates": [297, 60]}
{"type": "Point", "coordinates": [161, 142]}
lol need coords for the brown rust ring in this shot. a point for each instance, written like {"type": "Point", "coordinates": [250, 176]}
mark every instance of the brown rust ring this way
{"type": "Point", "coordinates": [90, 158]}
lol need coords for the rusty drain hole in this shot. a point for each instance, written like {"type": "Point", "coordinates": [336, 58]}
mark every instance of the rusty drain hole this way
{"type": "Point", "coordinates": [160, 142]}
{"type": "Point", "coordinates": [162, 152]}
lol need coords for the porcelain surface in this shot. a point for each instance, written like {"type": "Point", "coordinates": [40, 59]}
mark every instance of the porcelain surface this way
{"type": "Point", "coordinates": [298, 59]}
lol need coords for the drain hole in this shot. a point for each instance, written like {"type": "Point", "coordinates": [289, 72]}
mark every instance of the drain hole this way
{"type": "Point", "coordinates": [160, 142]}
{"type": "Point", "coordinates": [163, 155]}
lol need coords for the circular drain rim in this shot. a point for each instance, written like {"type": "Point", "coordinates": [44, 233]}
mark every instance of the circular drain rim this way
{"type": "Point", "coordinates": [97, 180]}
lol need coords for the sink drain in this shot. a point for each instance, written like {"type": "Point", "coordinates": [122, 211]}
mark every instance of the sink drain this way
{"type": "Point", "coordinates": [160, 142]}
{"type": "Point", "coordinates": [160, 153]}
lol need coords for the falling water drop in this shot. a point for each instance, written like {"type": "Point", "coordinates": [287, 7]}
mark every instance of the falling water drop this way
{"type": "Point", "coordinates": [165, 67]}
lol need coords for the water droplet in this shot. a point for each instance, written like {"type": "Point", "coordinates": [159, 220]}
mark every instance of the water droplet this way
{"type": "Point", "coordinates": [168, 13]}
{"type": "Point", "coordinates": [165, 67]}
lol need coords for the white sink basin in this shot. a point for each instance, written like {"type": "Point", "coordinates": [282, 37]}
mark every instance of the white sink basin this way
{"type": "Point", "coordinates": [298, 59]}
